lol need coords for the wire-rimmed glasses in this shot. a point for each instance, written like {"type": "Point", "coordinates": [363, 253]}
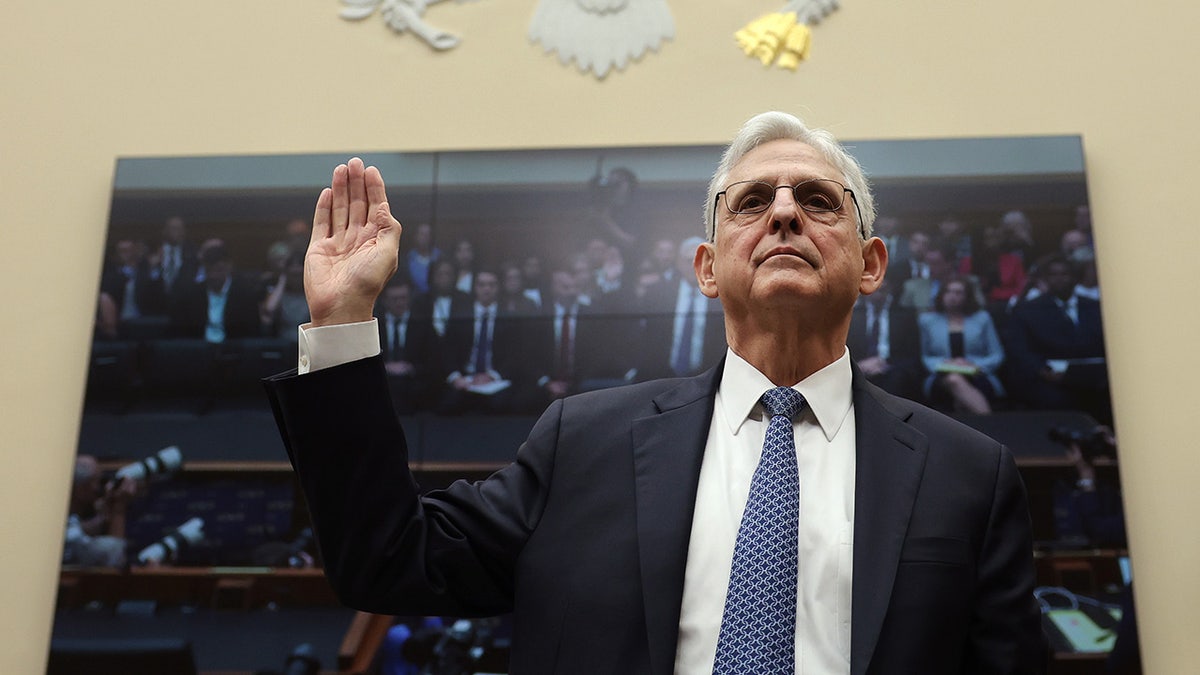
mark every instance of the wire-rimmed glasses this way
{"type": "Point", "coordinates": [821, 197]}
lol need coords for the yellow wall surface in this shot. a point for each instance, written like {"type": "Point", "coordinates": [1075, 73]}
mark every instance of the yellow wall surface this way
{"type": "Point", "coordinates": [86, 82]}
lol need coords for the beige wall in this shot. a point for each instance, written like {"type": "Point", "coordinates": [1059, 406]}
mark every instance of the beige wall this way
{"type": "Point", "coordinates": [85, 82]}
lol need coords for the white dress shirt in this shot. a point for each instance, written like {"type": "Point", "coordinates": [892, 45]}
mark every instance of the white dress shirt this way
{"type": "Point", "coordinates": [214, 328]}
{"type": "Point", "coordinates": [825, 446]}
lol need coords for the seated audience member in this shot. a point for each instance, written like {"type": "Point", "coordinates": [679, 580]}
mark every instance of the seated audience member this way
{"type": "Point", "coordinates": [605, 270]}
{"type": "Point", "coordinates": [420, 259]}
{"type": "Point", "coordinates": [224, 306]}
{"type": "Point", "coordinates": [574, 344]}
{"type": "Point", "coordinates": [513, 299]}
{"type": "Point", "coordinates": [127, 280]}
{"type": "Point", "coordinates": [172, 264]}
{"type": "Point", "coordinates": [95, 534]}
{"type": "Point", "coordinates": [999, 266]}
{"type": "Point", "coordinates": [1089, 280]}
{"type": "Point", "coordinates": [884, 343]}
{"type": "Point", "coordinates": [919, 293]}
{"type": "Point", "coordinates": [660, 263]}
{"type": "Point", "coordinates": [1074, 245]}
{"type": "Point", "coordinates": [1034, 285]}
{"type": "Point", "coordinates": [284, 306]}
{"type": "Point", "coordinates": [888, 229]}
{"type": "Point", "coordinates": [296, 233]}
{"type": "Point", "coordinates": [961, 351]}
{"type": "Point", "coordinates": [535, 283]}
{"type": "Point", "coordinates": [657, 267]}
{"type": "Point", "coordinates": [443, 298]}
{"type": "Point", "coordinates": [954, 238]}
{"type": "Point", "coordinates": [1077, 248]}
{"type": "Point", "coordinates": [1019, 232]}
{"type": "Point", "coordinates": [1055, 345]}
{"type": "Point", "coordinates": [464, 265]}
{"type": "Point", "coordinates": [404, 339]}
{"type": "Point", "coordinates": [1083, 222]}
{"type": "Point", "coordinates": [911, 263]}
{"type": "Point", "coordinates": [610, 277]}
{"type": "Point", "coordinates": [585, 276]}
{"type": "Point", "coordinates": [278, 254]}
{"type": "Point", "coordinates": [684, 329]}
{"type": "Point", "coordinates": [483, 353]}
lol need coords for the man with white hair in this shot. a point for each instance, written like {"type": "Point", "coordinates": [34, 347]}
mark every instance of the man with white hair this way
{"type": "Point", "coordinates": [775, 514]}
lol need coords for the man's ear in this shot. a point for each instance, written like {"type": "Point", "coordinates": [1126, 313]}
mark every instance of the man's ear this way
{"type": "Point", "coordinates": [703, 263]}
{"type": "Point", "coordinates": [875, 260]}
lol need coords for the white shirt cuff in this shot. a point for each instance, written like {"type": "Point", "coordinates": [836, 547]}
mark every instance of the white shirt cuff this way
{"type": "Point", "coordinates": [327, 346]}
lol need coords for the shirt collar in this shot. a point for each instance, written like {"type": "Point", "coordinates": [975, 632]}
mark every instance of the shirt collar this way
{"type": "Point", "coordinates": [827, 392]}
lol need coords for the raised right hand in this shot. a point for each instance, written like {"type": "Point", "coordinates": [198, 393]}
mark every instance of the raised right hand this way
{"type": "Point", "coordinates": [354, 248]}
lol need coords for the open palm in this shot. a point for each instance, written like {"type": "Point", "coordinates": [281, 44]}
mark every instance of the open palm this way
{"type": "Point", "coordinates": [354, 246]}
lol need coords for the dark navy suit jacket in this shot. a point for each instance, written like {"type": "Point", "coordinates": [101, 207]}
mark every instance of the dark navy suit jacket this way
{"type": "Point", "coordinates": [584, 537]}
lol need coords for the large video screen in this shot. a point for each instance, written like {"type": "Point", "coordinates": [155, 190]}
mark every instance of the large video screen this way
{"type": "Point", "coordinates": [990, 313]}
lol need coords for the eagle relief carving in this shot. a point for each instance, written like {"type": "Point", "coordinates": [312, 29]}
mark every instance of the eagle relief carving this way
{"type": "Point", "coordinates": [600, 35]}
{"type": "Point", "coordinates": [403, 16]}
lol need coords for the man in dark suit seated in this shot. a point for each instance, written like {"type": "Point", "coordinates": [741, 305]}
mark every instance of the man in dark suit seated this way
{"type": "Point", "coordinates": [684, 332]}
{"type": "Point", "coordinates": [482, 353]}
{"type": "Point", "coordinates": [638, 531]}
{"type": "Point", "coordinates": [885, 343]}
{"type": "Point", "coordinates": [571, 343]}
{"type": "Point", "coordinates": [404, 339]}
{"type": "Point", "coordinates": [1055, 347]}
{"type": "Point", "coordinates": [225, 306]}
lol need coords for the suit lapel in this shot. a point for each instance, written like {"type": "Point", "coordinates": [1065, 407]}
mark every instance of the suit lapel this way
{"type": "Point", "coordinates": [667, 451]}
{"type": "Point", "coordinates": [890, 458]}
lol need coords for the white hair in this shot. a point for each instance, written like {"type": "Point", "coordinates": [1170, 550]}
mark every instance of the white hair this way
{"type": "Point", "coordinates": [773, 126]}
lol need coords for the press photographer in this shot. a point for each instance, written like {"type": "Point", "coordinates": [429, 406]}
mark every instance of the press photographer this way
{"type": "Point", "coordinates": [95, 534]}
{"type": "Point", "coordinates": [1092, 511]}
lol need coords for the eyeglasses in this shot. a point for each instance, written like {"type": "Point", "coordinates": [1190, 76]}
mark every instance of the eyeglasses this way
{"type": "Point", "coordinates": [821, 197]}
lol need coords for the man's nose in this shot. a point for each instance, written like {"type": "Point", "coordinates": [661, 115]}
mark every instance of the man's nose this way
{"type": "Point", "coordinates": [785, 213]}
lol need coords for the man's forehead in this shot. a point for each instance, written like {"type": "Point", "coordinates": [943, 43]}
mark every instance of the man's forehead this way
{"type": "Point", "coordinates": [783, 158]}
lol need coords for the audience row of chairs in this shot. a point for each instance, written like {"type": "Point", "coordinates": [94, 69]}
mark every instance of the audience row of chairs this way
{"type": "Point", "coordinates": [186, 375]}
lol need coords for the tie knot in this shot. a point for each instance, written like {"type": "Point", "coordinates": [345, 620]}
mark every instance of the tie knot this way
{"type": "Point", "coordinates": [782, 401]}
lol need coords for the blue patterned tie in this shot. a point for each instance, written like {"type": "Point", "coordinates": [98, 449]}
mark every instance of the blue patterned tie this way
{"type": "Point", "coordinates": [758, 628]}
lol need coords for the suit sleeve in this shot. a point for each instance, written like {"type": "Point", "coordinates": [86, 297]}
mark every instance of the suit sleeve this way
{"type": "Point", "coordinates": [1005, 637]}
{"type": "Point", "coordinates": [386, 548]}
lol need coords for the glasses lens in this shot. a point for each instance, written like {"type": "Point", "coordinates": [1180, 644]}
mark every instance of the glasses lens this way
{"type": "Point", "coordinates": [749, 196]}
{"type": "Point", "coordinates": [816, 196]}
{"type": "Point", "coordinates": [820, 196]}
